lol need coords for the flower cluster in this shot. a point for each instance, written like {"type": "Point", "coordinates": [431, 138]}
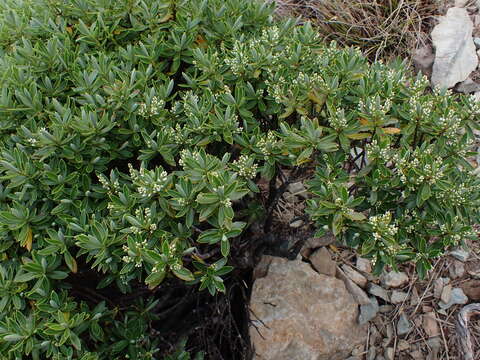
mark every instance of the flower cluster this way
{"type": "Point", "coordinates": [156, 105]}
{"type": "Point", "coordinates": [338, 120]}
{"type": "Point", "coordinates": [267, 144]}
{"type": "Point", "coordinates": [148, 182]}
{"type": "Point", "coordinates": [134, 255]}
{"type": "Point", "coordinates": [245, 166]}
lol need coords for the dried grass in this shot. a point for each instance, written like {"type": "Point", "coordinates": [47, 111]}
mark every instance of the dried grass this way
{"type": "Point", "coordinates": [382, 29]}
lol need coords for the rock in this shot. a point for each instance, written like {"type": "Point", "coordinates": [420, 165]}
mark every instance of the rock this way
{"type": "Point", "coordinates": [430, 324]}
{"type": "Point", "coordinates": [471, 288]}
{"type": "Point", "coordinates": [369, 311]}
{"type": "Point", "coordinates": [414, 297]}
{"type": "Point", "coordinates": [322, 262]}
{"type": "Point", "coordinates": [298, 189]}
{"type": "Point", "coordinates": [438, 285]}
{"type": "Point", "coordinates": [305, 315]}
{"type": "Point", "coordinates": [434, 344]}
{"type": "Point", "coordinates": [378, 291]}
{"type": "Point", "coordinates": [358, 294]}
{"type": "Point", "coordinates": [457, 297]}
{"type": "Point", "coordinates": [385, 308]}
{"type": "Point", "coordinates": [372, 352]}
{"type": "Point", "coordinates": [446, 293]}
{"type": "Point", "coordinates": [403, 325]}
{"type": "Point", "coordinates": [467, 87]}
{"type": "Point", "coordinates": [316, 242]}
{"type": "Point", "coordinates": [389, 353]}
{"type": "Point", "coordinates": [364, 265]}
{"type": "Point", "coordinates": [460, 3]}
{"type": "Point", "coordinates": [403, 345]}
{"type": "Point", "coordinates": [296, 224]}
{"type": "Point", "coordinates": [354, 275]}
{"type": "Point", "coordinates": [459, 253]}
{"type": "Point", "coordinates": [455, 56]}
{"type": "Point", "coordinates": [393, 279]}
{"type": "Point", "coordinates": [416, 355]}
{"type": "Point", "coordinates": [423, 59]}
{"type": "Point", "coordinates": [261, 269]}
{"type": "Point", "coordinates": [398, 297]}
{"type": "Point", "coordinates": [476, 41]}
{"type": "Point", "coordinates": [473, 269]}
{"type": "Point", "coordinates": [457, 269]}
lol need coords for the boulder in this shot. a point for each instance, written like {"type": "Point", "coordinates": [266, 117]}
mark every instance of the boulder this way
{"type": "Point", "coordinates": [455, 53]}
{"type": "Point", "coordinates": [298, 314]}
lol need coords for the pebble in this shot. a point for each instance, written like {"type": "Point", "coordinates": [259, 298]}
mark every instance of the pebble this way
{"type": "Point", "coordinates": [457, 269]}
{"type": "Point", "coordinates": [378, 291]}
{"type": "Point", "coordinates": [393, 279]}
{"type": "Point", "coordinates": [385, 308]}
{"type": "Point", "coordinates": [457, 297]}
{"type": "Point", "coordinates": [296, 224]}
{"type": "Point", "coordinates": [471, 288]}
{"type": "Point", "coordinates": [430, 324]}
{"type": "Point", "coordinates": [446, 293]}
{"type": "Point", "coordinates": [403, 345]}
{"type": "Point", "coordinates": [297, 188]}
{"type": "Point", "coordinates": [459, 253]}
{"type": "Point", "coordinates": [476, 41]}
{"type": "Point", "coordinates": [364, 265]}
{"type": "Point", "coordinates": [369, 311]}
{"type": "Point", "coordinates": [354, 275]}
{"type": "Point", "coordinates": [398, 297]}
{"type": "Point", "coordinates": [438, 285]}
{"type": "Point", "coordinates": [403, 325]}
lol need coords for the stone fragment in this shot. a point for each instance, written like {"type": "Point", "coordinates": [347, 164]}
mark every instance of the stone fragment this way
{"type": "Point", "coordinates": [417, 355]}
{"type": "Point", "coordinates": [457, 269]}
{"type": "Point", "coordinates": [403, 345]}
{"type": "Point", "coordinates": [354, 275]}
{"type": "Point", "coordinates": [459, 253]}
{"type": "Point", "coordinates": [364, 265]}
{"type": "Point", "coordinates": [457, 297]}
{"type": "Point", "coordinates": [298, 189]}
{"type": "Point", "coordinates": [296, 224]}
{"type": "Point", "coordinates": [305, 315]}
{"type": "Point", "coordinates": [455, 55]}
{"type": "Point", "coordinates": [473, 269]}
{"type": "Point", "coordinates": [389, 353]}
{"type": "Point", "coordinates": [393, 279]}
{"type": "Point", "coordinates": [467, 87]}
{"type": "Point", "coordinates": [471, 288]}
{"type": "Point", "coordinates": [372, 352]}
{"type": "Point", "coordinates": [398, 297]}
{"type": "Point", "coordinates": [414, 298]}
{"type": "Point", "coordinates": [385, 308]}
{"type": "Point", "coordinates": [476, 41]}
{"type": "Point", "coordinates": [446, 293]}
{"type": "Point", "coordinates": [438, 287]}
{"type": "Point", "coordinates": [322, 262]}
{"type": "Point", "coordinates": [430, 324]}
{"type": "Point", "coordinates": [316, 242]}
{"type": "Point", "coordinates": [423, 59]}
{"type": "Point", "coordinates": [378, 291]}
{"type": "Point", "coordinates": [358, 294]}
{"type": "Point", "coordinates": [369, 311]}
{"type": "Point", "coordinates": [460, 3]}
{"type": "Point", "coordinates": [403, 325]}
{"type": "Point", "coordinates": [435, 345]}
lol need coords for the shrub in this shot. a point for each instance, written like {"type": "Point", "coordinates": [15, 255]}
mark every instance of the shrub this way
{"type": "Point", "coordinates": [134, 134]}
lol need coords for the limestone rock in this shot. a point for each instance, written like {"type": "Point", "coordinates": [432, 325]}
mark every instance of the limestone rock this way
{"type": "Point", "coordinates": [430, 324]}
{"type": "Point", "coordinates": [316, 242]}
{"type": "Point", "coordinates": [378, 291]}
{"type": "Point", "coordinates": [423, 59]}
{"type": "Point", "coordinates": [368, 311]}
{"type": "Point", "coordinates": [398, 297]}
{"type": "Point", "coordinates": [455, 55]}
{"type": "Point", "coordinates": [471, 288]}
{"type": "Point", "coordinates": [457, 297]}
{"type": "Point", "coordinates": [364, 265]}
{"type": "Point", "coordinates": [302, 315]}
{"type": "Point", "coordinates": [358, 294]}
{"type": "Point", "coordinates": [403, 325]}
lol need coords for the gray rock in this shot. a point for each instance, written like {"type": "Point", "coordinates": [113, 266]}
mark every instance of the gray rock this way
{"type": "Point", "coordinates": [457, 269]}
{"type": "Point", "coordinates": [385, 309]}
{"type": "Point", "coordinates": [358, 294]}
{"type": "Point", "coordinates": [455, 55]}
{"type": "Point", "coordinates": [298, 189]}
{"type": "Point", "coordinates": [403, 325]}
{"type": "Point", "coordinates": [389, 353]}
{"type": "Point", "coordinates": [378, 291]}
{"type": "Point", "coordinates": [468, 86]}
{"type": "Point", "coordinates": [476, 41]}
{"type": "Point", "coordinates": [398, 297]}
{"type": "Point", "coordinates": [372, 352]}
{"type": "Point", "coordinates": [316, 242]}
{"type": "Point", "coordinates": [364, 265]}
{"type": "Point", "coordinates": [305, 315]}
{"type": "Point", "coordinates": [460, 3]}
{"type": "Point", "coordinates": [393, 279]}
{"type": "Point", "coordinates": [446, 293]}
{"type": "Point", "coordinates": [354, 275]}
{"type": "Point", "coordinates": [457, 297]}
{"type": "Point", "coordinates": [322, 262]}
{"type": "Point", "coordinates": [460, 254]}
{"type": "Point", "coordinates": [296, 224]}
{"type": "Point", "coordinates": [369, 311]}
{"type": "Point", "coordinates": [438, 285]}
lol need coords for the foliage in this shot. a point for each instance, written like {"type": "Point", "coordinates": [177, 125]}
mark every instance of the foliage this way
{"type": "Point", "coordinates": [134, 133]}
